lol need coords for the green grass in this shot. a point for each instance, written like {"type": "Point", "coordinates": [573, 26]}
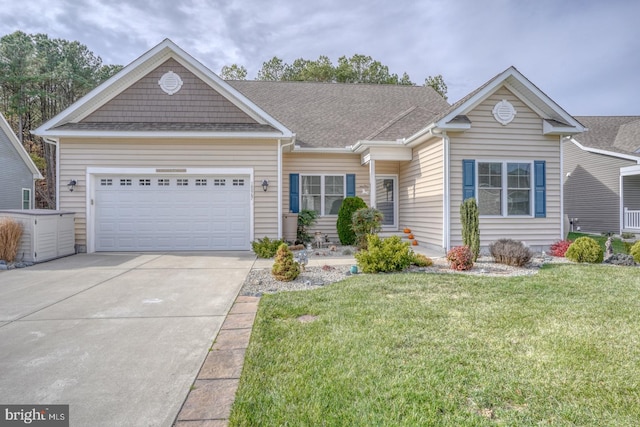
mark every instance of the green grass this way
{"type": "Point", "coordinates": [616, 243]}
{"type": "Point", "coordinates": [559, 348]}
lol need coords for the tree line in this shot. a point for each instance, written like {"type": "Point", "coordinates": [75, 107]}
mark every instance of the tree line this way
{"type": "Point", "coordinates": [356, 69]}
{"type": "Point", "coordinates": [40, 77]}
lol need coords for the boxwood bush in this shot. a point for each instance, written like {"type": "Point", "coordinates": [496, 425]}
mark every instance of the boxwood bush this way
{"type": "Point", "coordinates": [585, 249]}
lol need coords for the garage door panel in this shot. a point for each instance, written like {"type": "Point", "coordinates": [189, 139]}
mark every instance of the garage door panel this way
{"type": "Point", "coordinates": [155, 213]}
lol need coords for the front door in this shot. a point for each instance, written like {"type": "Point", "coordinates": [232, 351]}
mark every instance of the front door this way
{"type": "Point", "coordinates": [386, 200]}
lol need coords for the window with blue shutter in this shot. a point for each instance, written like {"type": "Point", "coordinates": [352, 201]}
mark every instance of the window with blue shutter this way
{"type": "Point", "coordinates": [540, 189]}
{"type": "Point", "coordinates": [294, 192]}
{"type": "Point", "coordinates": [468, 179]}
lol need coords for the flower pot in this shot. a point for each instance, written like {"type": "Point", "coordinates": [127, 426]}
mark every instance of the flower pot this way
{"type": "Point", "coordinates": [354, 269]}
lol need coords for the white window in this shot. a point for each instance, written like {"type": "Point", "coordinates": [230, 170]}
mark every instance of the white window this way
{"type": "Point", "coordinates": [106, 182]}
{"type": "Point", "coordinates": [125, 182]}
{"type": "Point", "coordinates": [322, 193]}
{"type": "Point", "coordinates": [504, 188]}
{"type": "Point", "coordinates": [238, 182]}
{"type": "Point", "coordinates": [26, 198]}
{"type": "Point", "coordinates": [182, 182]}
{"type": "Point", "coordinates": [219, 182]}
{"type": "Point", "coordinates": [163, 182]}
{"type": "Point", "coordinates": [201, 182]}
{"type": "Point", "coordinates": [145, 182]}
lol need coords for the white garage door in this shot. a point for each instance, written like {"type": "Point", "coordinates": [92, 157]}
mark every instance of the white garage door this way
{"type": "Point", "coordinates": [169, 213]}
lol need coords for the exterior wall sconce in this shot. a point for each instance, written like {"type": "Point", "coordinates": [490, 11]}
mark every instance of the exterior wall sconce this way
{"type": "Point", "coordinates": [265, 184]}
{"type": "Point", "coordinates": [72, 185]}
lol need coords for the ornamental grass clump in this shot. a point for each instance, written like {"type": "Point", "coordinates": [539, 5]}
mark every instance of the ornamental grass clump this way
{"type": "Point", "coordinates": [510, 252]}
{"type": "Point", "coordinates": [460, 258]}
{"type": "Point", "coordinates": [285, 268]}
{"type": "Point", "coordinates": [10, 234]}
{"type": "Point", "coordinates": [585, 249]}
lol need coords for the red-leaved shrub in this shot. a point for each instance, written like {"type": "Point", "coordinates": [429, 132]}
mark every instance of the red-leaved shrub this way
{"type": "Point", "coordinates": [460, 258]}
{"type": "Point", "coordinates": [560, 247]}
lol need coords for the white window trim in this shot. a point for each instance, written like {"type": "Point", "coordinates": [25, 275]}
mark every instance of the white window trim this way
{"type": "Point", "coordinates": [322, 193]}
{"type": "Point", "coordinates": [22, 198]}
{"type": "Point", "coordinates": [505, 189]}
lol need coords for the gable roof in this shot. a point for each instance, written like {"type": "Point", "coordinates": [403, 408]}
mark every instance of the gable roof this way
{"type": "Point", "coordinates": [615, 134]}
{"type": "Point", "coordinates": [556, 119]}
{"type": "Point", "coordinates": [337, 115]}
{"type": "Point", "coordinates": [15, 142]}
{"type": "Point", "coordinates": [70, 121]}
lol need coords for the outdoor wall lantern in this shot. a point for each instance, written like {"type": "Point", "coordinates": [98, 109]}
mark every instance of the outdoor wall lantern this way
{"type": "Point", "coordinates": [71, 185]}
{"type": "Point", "coordinates": [265, 184]}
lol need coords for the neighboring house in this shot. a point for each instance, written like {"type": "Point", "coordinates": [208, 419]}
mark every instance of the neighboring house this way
{"type": "Point", "coordinates": [168, 156]}
{"type": "Point", "coordinates": [602, 181]}
{"type": "Point", "coordinates": [17, 171]}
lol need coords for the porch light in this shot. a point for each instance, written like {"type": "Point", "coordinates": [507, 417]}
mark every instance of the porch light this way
{"type": "Point", "coordinates": [265, 184]}
{"type": "Point", "coordinates": [71, 185]}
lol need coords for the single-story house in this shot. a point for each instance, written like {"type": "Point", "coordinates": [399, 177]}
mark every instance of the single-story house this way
{"type": "Point", "coordinates": [19, 173]}
{"type": "Point", "coordinates": [602, 181]}
{"type": "Point", "coordinates": [166, 155]}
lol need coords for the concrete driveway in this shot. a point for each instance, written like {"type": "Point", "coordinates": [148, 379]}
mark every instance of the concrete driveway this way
{"type": "Point", "coordinates": [118, 337]}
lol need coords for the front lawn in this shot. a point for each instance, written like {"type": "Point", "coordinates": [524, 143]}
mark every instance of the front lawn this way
{"type": "Point", "coordinates": [558, 348]}
{"type": "Point", "coordinates": [616, 244]}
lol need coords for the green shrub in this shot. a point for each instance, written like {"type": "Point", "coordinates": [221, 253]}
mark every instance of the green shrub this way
{"type": "Point", "coordinates": [585, 249]}
{"type": "Point", "coordinates": [628, 235]}
{"type": "Point", "coordinates": [285, 268]}
{"type": "Point", "coordinates": [265, 247]}
{"type": "Point", "coordinates": [364, 222]}
{"type": "Point", "coordinates": [510, 252]}
{"type": "Point", "coordinates": [460, 258]}
{"type": "Point", "coordinates": [635, 251]}
{"type": "Point", "coordinates": [420, 260]}
{"type": "Point", "coordinates": [386, 255]}
{"type": "Point", "coordinates": [306, 219]}
{"type": "Point", "coordinates": [470, 221]}
{"type": "Point", "coordinates": [344, 224]}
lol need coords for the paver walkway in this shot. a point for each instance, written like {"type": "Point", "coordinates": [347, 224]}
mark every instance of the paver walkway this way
{"type": "Point", "coordinates": [209, 402]}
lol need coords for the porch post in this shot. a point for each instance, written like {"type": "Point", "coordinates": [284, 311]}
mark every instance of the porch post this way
{"type": "Point", "coordinates": [622, 209]}
{"type": "Point", "coordinates": [372, 183]}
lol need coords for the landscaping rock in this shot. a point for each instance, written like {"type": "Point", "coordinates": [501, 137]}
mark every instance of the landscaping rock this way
{"type": "Point", "coordinates": [620, 259]}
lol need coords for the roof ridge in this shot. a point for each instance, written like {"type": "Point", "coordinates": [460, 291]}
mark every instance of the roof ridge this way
{"type": "Point", "coordinates": [393, 120]}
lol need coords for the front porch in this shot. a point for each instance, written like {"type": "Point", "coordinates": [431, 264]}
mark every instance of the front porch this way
{"type": "Point", "coordinates": [630, 199]}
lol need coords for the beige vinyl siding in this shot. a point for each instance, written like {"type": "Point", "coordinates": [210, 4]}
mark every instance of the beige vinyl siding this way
{"type": "Point", "coordinates": [387, 167]}
{"type": "Point", "coordinates": [421, 193]}
{"type": "Point", "coordinates": [520, 140]}
{"type": "Point", "coordinates": [77, 154]}
{"type": "Point", "coordinates": [145, 101]}
{"type": "Point", "coordinates": [592, 191]}
{"type": "Point", "coordinates": [323, 164]}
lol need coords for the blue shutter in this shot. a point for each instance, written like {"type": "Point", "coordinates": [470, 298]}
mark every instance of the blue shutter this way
{"type": "Point", "coordinates": [351, 185]}
{"type": "Point", "coordinates": [540, 180]}
{"type": "Point", "coordinates": [468, 179]}
{"type": "Point", "coordinates": [294, 192]}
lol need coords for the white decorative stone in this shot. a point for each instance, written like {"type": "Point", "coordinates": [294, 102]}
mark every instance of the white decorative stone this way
{"type": "Point", "coordinates": [504, 112]}
{"type": "Point", "coordinates": [170, 83]}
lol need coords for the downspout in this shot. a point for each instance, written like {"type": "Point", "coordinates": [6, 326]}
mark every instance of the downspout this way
{"type": "Point", "coordinates": [55, 144]}
{"type": "Point", "coordinates": [280, 149]}
{"type": "Point", "coordinates": [446, 221]}
{"type": "Point", "coordinates": [562, 230]}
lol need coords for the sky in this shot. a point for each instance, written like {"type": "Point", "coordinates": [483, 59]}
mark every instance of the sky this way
{"type": "Point", "coordinates": [584, 54]}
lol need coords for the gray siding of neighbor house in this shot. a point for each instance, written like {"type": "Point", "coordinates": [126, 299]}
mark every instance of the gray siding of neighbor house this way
{"type": "Point", "coordinates": [631, 194]}
{"type": "Point", "coordinates": [14, 175]}
{"type": "Point", "coordinates": [592, 189]}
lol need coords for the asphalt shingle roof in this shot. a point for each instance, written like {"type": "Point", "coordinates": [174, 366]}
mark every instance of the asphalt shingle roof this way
{"type": "Point", "coordinates": [620, 134]}
{"type": "Point", "coordinates": [338, 115]}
